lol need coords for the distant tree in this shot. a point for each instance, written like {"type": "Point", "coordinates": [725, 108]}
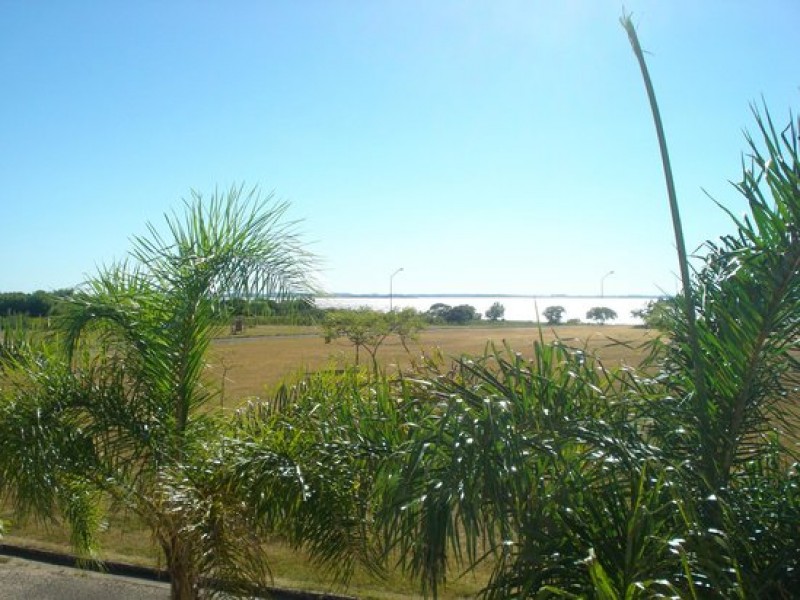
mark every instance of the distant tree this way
{"type": "Point", "coordinates": [601, 314]}
{"type": "Point", "coordinates": [13, 303]}
{"type": "Point", "coordinates": [297, 311]}
{"type": "Point", "coordinates": [453, 315]}
{"type": "Point", "coordinates": [437, 312]}
{"type": "Point", "coordinates": [657, 314]}
{"type": "Point", "coordinates": [495, 312]}
{"type": "Point", "coordinates": [368, 329]}
{"type": "Point", "coordinates": [37, 304]}
{"type": "Point", "coordinates": [461, 314]}
{"type": "Point", "coordinates": [554, 314]}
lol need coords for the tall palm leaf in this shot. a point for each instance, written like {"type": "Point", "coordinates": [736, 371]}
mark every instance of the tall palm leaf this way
{"type": "Point", "coordinates": [748, 301]}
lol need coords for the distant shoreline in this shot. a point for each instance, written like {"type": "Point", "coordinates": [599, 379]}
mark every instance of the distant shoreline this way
{"type": "Point", "coordinates": [533, 296]}
{"type": "Point", "coordinates": [515, 307]}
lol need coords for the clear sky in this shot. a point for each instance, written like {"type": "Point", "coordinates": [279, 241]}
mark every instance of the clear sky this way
{"type": "Point", "coordinates": [485, 146]}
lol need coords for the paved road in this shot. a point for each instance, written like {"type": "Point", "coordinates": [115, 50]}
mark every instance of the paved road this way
{"type": "Point", "coordinates": [28, 580]}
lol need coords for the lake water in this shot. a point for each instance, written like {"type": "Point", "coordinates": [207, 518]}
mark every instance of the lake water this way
{"type": "Point", "coordinates": [518, 308]}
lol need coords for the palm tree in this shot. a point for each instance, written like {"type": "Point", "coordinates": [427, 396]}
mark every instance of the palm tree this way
{"type": "Point", "coordinates": [117, 417]}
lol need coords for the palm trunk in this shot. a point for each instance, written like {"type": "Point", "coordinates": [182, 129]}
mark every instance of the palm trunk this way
{"type": "Point", "coordinates": [182, 575]}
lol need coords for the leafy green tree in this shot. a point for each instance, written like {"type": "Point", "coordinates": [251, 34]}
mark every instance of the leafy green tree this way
{"type": "Point", "coordinates": [601, 314]}
{"type": "Point", "coordinates": [461, 314]}
{"type": "Point", "coordinates": [123, 416]}
{"type": "Point", "coordinates": [495, 312]}
{"type": "Point", "coordinates": [368, 329]}
{"type": "Point", "coordinates": [554, 314]}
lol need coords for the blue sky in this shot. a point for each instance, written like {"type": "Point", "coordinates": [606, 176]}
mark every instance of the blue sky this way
{"type": "Point", "coordinates": [484, 146]}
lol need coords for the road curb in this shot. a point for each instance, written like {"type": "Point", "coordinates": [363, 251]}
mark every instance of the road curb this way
{"type": "Point", "coordinates": [111, 567]}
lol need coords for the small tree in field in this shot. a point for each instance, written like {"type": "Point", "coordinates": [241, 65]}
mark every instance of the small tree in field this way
{"type": "Point", "coordinates": [495, 312]}
{"type": "Point", "coordinates": [601, 314]}
{"type": "Point", "coordinates": [554, 314]}
{"type": "Point", "coordinates": [368, 329]}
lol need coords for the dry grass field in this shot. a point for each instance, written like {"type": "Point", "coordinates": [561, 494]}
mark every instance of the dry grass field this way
{"type": "Point", "coordinates": [250, 365]}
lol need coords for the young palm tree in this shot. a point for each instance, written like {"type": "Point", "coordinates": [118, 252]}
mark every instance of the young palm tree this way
{"type": "Point", "coordinates": [117, 418]}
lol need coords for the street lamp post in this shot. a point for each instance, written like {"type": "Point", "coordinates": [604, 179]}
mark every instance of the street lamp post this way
{"type": "Point", "coordinates": [391, 280]}
{"type": "Point", "coordinates": [602, 282]}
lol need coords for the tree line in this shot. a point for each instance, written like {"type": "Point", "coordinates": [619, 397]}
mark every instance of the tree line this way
{"type": "Point", "coordinates": [37, 304]}
{"type": "Point", "coordinates": [301, 310]}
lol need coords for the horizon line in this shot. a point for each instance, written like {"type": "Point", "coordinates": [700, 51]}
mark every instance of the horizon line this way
{"type": "Point", "coordinates": [479, 295]}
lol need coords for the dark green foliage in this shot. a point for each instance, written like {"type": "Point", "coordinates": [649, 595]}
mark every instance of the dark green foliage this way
{"type": "Point", "coordinates": [461, 314]}
{"type": "Point", "coordinates": [14, 339]}
{"type": "Point", "coordinates": [484, 442]}
{"type": "Point", "coordinates": [307, 463]}
{"type": "Point", "coordinates": [37, 304]}
{"type": "Point", "coordinates": [452, 315]}
{"type": "Point", "coordinates": [437, 312]}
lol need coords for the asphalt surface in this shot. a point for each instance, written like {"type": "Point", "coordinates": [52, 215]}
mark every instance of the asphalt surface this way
{"type": "Point", "coordinates": [22, 579]}
{"type": "Point", "coordinates": [36, 574]}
